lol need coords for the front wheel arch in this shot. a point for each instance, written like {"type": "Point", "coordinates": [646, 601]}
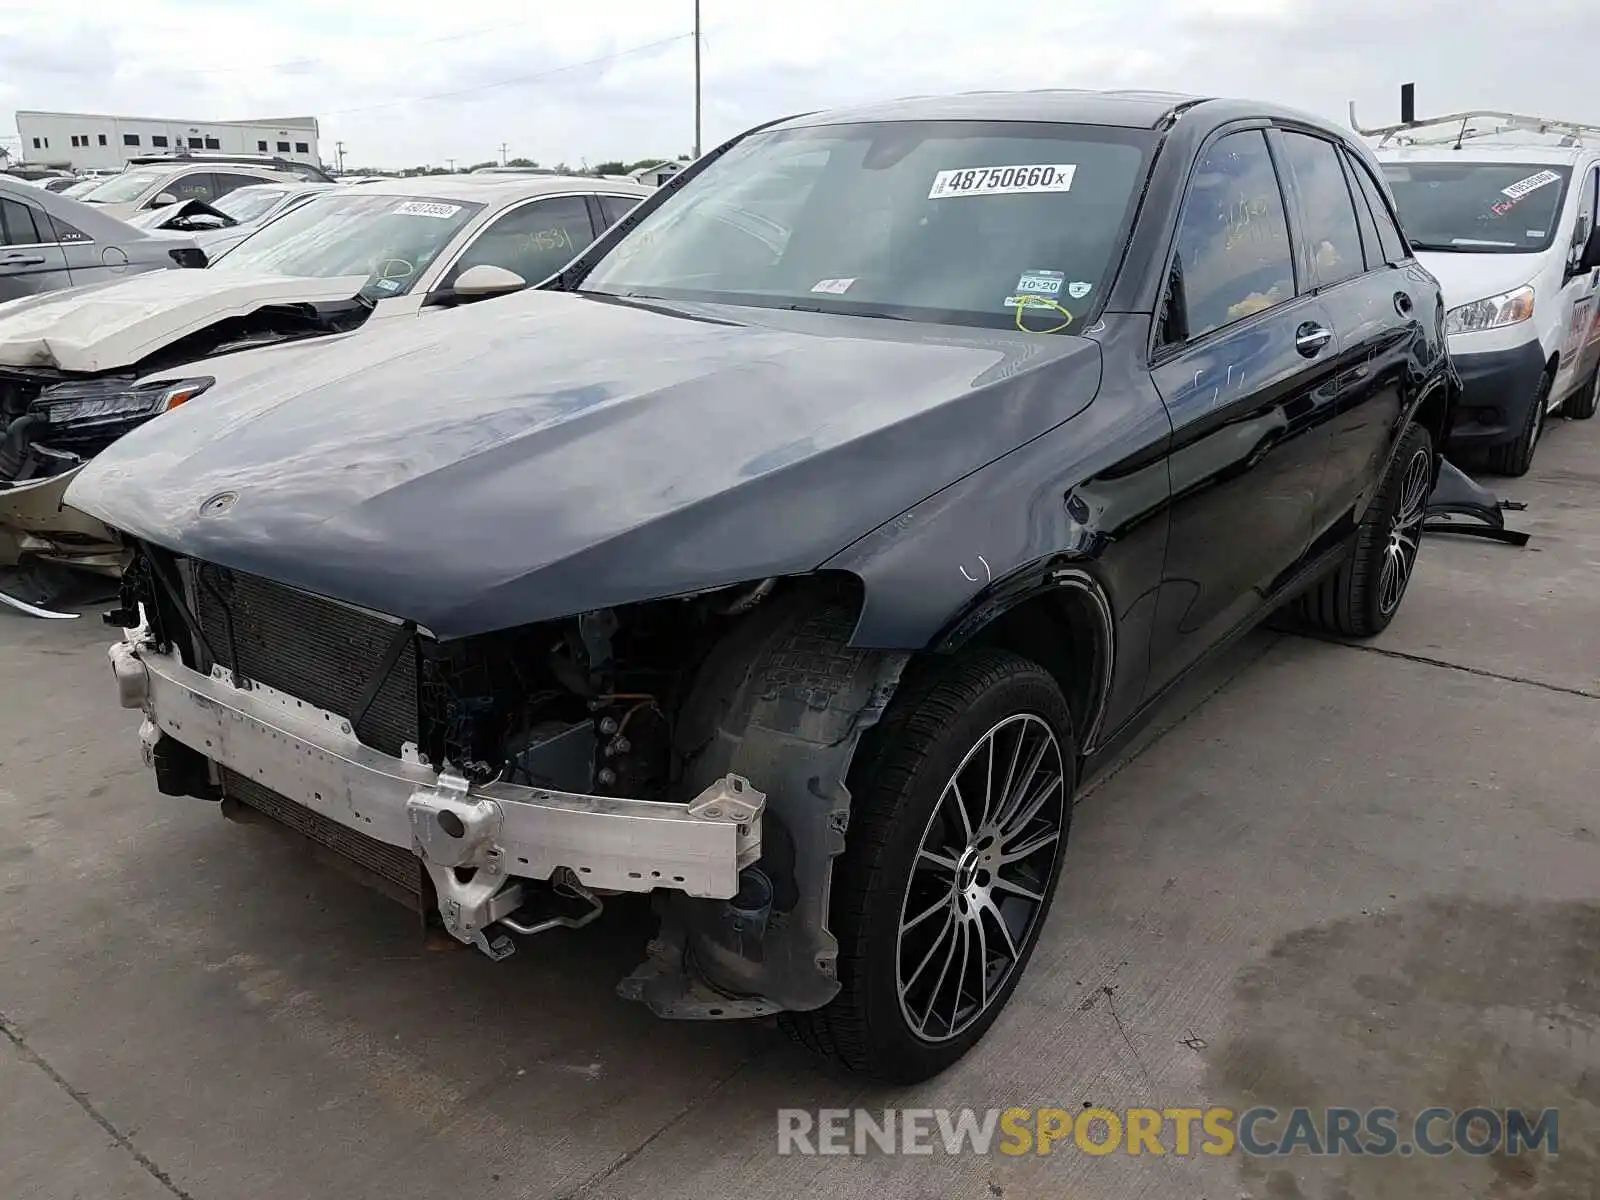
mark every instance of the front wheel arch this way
{"type": "Point", "coordinates": [1059, 617]}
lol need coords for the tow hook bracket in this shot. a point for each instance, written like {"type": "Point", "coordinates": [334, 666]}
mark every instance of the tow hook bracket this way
{"type": "Point", "coordinates": [455, 835]}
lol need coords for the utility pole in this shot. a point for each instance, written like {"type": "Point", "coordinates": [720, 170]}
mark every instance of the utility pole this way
{"type": "Point", "coordinates": [503, 148]}
{"type": "Point", "coordinates": [452, 163]}
{"type": "Point", "coordinates": [696, 78]}
{"type": "Point", "coordinates": [338, 148]}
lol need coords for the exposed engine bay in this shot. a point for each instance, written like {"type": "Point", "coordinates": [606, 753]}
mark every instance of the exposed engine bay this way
{"type": "Point", "coordinates": [672, 702]}
{"type": "Point", "coordinates": [52, 421]}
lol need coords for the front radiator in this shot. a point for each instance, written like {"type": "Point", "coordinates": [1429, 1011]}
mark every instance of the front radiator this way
{"type": "Point", "coordinates": [395, 871]}
{"type": "Point", "coordinates": [315, 649]}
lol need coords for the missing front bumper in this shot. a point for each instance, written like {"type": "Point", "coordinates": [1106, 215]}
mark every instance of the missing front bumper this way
{"type": "Point", "coordinates": [476, 843]}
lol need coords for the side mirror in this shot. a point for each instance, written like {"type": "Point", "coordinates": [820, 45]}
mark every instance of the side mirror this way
{"type": "Point", "coordinates": [162, 200]}
{"type": "Point", "coordinates": [486, 279]}
{"type": "Point", "coordinates": [1591, 252]}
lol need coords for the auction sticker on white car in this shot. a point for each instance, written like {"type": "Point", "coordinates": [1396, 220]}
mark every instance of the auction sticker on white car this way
{"type": "Point", "coordinates": [426, 208]}
{"type": "Point", "coordinates": [1002, 181]}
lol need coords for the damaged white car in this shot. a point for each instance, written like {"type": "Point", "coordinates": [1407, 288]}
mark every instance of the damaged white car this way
{"type": "Point", "coordinates": [81, 367]}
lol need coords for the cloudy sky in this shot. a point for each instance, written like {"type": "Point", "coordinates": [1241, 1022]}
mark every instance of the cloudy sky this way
{"type": "Point", "coordinates": [404, 82]}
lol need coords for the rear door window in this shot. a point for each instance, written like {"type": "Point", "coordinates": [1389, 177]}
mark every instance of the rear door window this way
{"type": "Point", "coordinates": [196, 185]}
{"type": "Point", "coordinates": [1371, 243]}
{"type": "Point", "coordinates": [1233, 255]}
{"type": "Point", "coordinates": [226, 182]}
{"type": "Point", "coordinates": [1331, 234]}
{"type": "Point", "coordinates": [1389, 238]}
{"type": "Point", "coordinates": [614, 208]}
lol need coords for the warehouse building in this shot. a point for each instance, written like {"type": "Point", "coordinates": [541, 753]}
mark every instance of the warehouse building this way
{"type": "Point", "coordinates": [82, 141]}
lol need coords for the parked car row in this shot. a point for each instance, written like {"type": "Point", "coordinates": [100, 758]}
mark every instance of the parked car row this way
{"type": "Point", "coordinates": [329, 261]}
{"type": "Point", "coordinates": [788, 542]}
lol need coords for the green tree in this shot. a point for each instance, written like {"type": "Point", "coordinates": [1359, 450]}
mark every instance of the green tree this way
{"type": "Point", "coordinates": [521, 162]}
{"type": "Point", "coordinates": [614, 167]}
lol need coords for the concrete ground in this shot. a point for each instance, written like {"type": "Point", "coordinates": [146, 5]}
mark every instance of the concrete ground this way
{"type": "Point", "coordinates": [1340, 876]}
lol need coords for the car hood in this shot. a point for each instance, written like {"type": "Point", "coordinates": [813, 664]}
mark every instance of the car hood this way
{"type": "Point", "coordinates": [1464, 278]}
{"type": "Point", "coordinates": [544, 454]}
{"type": "Point", "coordinates": [104, 327]}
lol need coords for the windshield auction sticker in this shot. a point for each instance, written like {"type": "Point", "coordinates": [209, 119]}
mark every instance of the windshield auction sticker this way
{"type": "Point", "coordinates": [427, 208]}
{"type": "Point", "coordinates": [1002, 181]}
{"type": "Point", "coordinates": [1532, 183]}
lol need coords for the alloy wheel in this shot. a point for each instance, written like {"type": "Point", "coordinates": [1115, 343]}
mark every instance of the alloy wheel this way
{"type": "Point", "coordinates": [1405, 531]}
{"type": "Point", "coordinates": [981, 877]}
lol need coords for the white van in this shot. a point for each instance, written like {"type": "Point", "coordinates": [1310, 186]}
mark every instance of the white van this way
{"type": "Point", "coordinates": [1502, 209]}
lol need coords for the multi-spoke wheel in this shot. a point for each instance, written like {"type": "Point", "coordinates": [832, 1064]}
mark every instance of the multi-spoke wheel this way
{"type": "Point", "coordinates": [977, 884]}
{"type": "Point", "coordinates": [1405, 530]}
{"type": "Point", "coordinates": [961, 805]}
{"type": "Point", "coordinates": [1360, 598]}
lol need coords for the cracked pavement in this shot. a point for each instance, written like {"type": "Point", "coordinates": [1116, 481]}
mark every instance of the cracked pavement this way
{"type": "Point", "coordinates": [1332, 875]}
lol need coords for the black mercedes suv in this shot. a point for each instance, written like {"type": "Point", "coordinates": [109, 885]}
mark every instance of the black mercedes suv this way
{"type": "Point", "coordinates": [799, 550]}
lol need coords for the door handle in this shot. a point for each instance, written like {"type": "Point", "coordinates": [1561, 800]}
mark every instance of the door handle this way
{"type": "Point", "coordinates": [1310, 338]}
{"type": "Point", "coordinates": [21, 260]}
{"type": "Point", "coordinates": [1402, 304]}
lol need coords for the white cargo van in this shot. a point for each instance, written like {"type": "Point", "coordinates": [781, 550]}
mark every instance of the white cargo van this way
{"type": "Point", "coordinates": [1502, 209]}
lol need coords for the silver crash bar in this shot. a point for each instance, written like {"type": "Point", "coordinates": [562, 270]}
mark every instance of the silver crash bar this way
{"type": "Point", "coordinates": [492, 834]}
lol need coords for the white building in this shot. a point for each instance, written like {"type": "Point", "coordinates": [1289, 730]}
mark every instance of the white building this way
{"type": "Point", "coordinates": [84, 140]}
{"type": "Point", "coordinates": [657, 175]}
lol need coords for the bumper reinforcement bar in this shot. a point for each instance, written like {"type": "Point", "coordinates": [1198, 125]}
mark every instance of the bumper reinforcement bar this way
{"type": "Point", "coordinates": [475, 842]}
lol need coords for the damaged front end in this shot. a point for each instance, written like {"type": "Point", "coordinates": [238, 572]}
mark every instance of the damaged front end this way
{"type": "Point", "coordinates": [53, 421]}
{"type": "Point", "coordinates": [692, 748]}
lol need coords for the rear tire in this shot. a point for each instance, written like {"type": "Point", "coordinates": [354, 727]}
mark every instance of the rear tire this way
{"type": "Point", "coordinates": [944, 884]}
{"type": "Point", "coordinates": [1513, 458]}
{"type": "Point", "coordinates": [1581, 405]}
{"type": "Point", "coordinates": [1362, 596]}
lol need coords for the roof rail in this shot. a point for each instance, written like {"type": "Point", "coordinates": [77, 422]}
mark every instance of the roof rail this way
{"type": "Point", "coordinates": [1510, 123]}
{"type": "Point", "coordinates": [224, 157]}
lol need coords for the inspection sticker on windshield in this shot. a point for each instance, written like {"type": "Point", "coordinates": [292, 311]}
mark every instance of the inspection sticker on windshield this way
{"type": "Point", "coordinates": [836, 287]}
{"type": "Point", "coordinates": [427, 208]}
{"type": "Point", "coordinates": [1040, 283]}
{"type": "Point", "coordinates": [1522, 187]}
{"type": "Point", "coordinates": [1002, 181]}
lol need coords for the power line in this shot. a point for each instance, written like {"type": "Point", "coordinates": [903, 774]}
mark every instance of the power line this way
{"type": "Point", "coordinates": [516, 79]}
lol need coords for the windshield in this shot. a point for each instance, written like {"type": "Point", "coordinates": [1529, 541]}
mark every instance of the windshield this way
{"type": "Point", "coordinates": [962, 222]}
{"type": "Point", "coordinates": [390, 239]}
{"type": "Point", "coordinates": [83, 185]}
{"type": "Point", "coordinates": [247, 203]}
{"type": "Point", "coordinates": [1478, 207]}
{"type": "Point", "coordinates": [119, 189]}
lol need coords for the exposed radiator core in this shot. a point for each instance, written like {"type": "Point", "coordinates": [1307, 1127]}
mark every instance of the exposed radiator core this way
{"type": "Point", "coordinates": [396, 871]}
{"type": "Point", "coordinates": [315, 649]}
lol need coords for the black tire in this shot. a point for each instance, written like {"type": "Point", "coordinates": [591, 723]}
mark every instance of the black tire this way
{"type": "Point", "coordinates": [936, 722]}
{"type": "Point", "coordinates": [1513, 458]}
{"type": "Point", "coordinates": [1357, 600]}
{"type": "Point", "coordinates": [1581, 405]}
